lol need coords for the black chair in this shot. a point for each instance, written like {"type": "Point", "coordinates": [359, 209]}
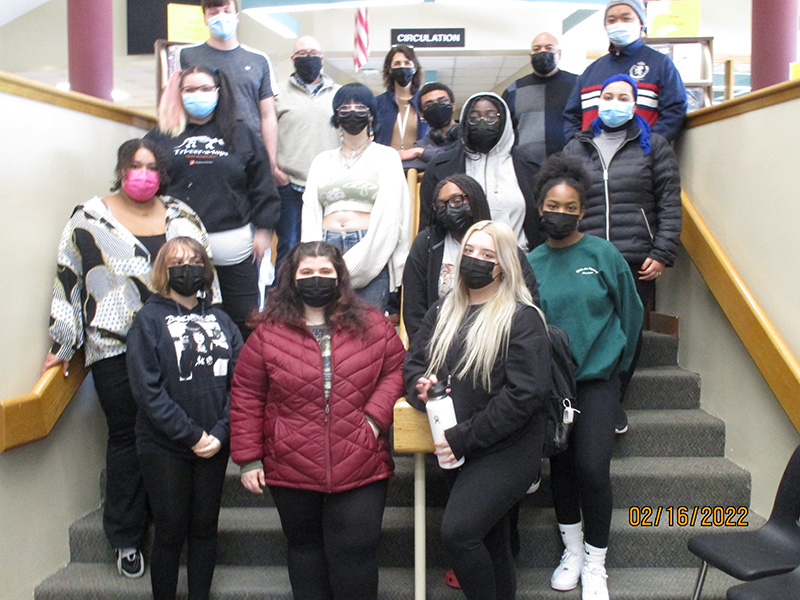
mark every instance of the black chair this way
{"type": "Point", "coordinates": [771, 550]}
{"type": "Point", "coordinates": [779, 587]}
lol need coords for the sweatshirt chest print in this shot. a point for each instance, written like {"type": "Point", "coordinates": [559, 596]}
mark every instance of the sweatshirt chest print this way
{"type": "Point", "coordinates": [201, 146]}
{"type": "Point", "coordinates": [587, 271]}
{"type": "Point", "coordinates": [639, 71]}
{"type": "Point", "coordinates": [199, 344]}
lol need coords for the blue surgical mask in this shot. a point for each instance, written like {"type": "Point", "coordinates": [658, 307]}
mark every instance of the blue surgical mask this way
{"type": "Point", "coordinates": [222, 25]}
{"type": "Point", "coordinates": [622, 34]}
{"type": "Point", "coordinates": [615, 113]}
{"type": "Point", "coordinates": [200, 104]}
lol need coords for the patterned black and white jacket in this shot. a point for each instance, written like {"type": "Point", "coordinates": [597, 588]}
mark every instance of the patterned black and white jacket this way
{"type": "Point", "coordinates": [103, 278]}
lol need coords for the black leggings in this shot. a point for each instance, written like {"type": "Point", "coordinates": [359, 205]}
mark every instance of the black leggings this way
{"type": "Point", "coordinates": [475, 525]}
{"type": "Point", "coordinates": [332, 540]}
{"type": "Point", "coordinates": [580, 476]}
{"type": "Point", "coordinates": [239, 287]}
{"type": "Point", "coordinates": [125, 507]}
{"type": "Point", "coordinates": [185, 495]}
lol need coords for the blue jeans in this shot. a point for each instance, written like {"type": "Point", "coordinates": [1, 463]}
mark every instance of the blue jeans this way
{"type": "Point", "coordinates": [288, 229]}
{"type": "Point", "coordinates": [376, 292]}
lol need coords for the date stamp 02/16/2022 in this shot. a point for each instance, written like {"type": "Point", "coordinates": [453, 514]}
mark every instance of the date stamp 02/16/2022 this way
{"type": "Point", "coordinates": [688, 516]}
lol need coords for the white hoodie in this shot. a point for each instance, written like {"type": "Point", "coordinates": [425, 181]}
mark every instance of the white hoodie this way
{"type": "Point", "coordinates": [495, 172]}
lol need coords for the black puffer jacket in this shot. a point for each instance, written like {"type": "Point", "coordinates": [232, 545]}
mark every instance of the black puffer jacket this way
{"type": "Point", "coordinates": [640, 213]}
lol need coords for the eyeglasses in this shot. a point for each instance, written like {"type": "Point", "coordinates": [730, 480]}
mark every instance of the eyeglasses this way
{"type": "Point", "coordinates": [454, 201]}
{"type": "Point", "coordinates": [358, 109]}
{"type": "Point", "coordinates": [200, 88]}
{"type": "Point", "coordinates": [441, 101]}
{"type": "Point", "coordinates": [491, 117]}
{"type": "Point", "coordinates": [307, 53]}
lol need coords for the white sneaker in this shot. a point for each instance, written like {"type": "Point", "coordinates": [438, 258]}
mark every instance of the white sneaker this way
{"type": "Point", "coordinates": [593, 582]}
{"type": "Point", "coordinates": [568, 572]}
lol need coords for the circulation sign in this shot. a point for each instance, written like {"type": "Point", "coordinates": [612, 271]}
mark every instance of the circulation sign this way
{"type": "Point", "coordinates": [429, 38]}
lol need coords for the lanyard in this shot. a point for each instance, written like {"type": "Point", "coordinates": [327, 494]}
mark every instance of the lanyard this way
{"type": "Point", "coordinates": [401, 125]}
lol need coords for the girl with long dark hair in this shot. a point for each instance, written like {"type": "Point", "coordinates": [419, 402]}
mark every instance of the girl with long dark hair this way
{"type": "Point", "coordinates": [311, 411]}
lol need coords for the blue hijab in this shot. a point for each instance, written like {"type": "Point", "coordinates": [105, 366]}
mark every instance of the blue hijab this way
{"type": "Point", "coordinates": [644, 126]}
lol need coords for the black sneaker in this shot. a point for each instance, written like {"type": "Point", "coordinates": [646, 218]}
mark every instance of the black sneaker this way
{"type": "Point", "coordinates": [130, 564]}
{"type": "Point", "coordinates": [621, 421]}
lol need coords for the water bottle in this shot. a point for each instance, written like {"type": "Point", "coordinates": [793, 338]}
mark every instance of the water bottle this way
{"type": "Point", "coordinates": [441, 416]}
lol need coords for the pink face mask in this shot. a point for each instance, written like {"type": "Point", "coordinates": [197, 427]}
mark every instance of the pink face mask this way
{"type": "Point", "coordinates": [141, 184]}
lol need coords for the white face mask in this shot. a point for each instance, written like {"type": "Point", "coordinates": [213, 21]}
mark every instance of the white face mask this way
{"type": "Point", "coordinates": [622, 34]}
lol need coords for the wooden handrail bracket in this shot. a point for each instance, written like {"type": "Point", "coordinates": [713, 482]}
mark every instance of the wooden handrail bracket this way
{"type": "Point", "coordinates": [32, 416]}
{"type": "Point", "coordinates": [767, 348]}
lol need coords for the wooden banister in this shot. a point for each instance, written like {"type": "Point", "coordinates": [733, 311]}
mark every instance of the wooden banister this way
{"type": "Point", "coordinates": [33, 90]}
{"type": "Point", "coordinates": [32, 416]}
{"type": "Point", "coordinates": [765, 345]}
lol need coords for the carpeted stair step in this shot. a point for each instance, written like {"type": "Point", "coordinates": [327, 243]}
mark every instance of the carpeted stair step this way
{"type": "Point", "coordinates": [663, 388]}
{"type": "Point", "coordinates": [655, 481]}
{"type": "Point", "coordinates": [671, 433]}
{"type": "Point", "coordinates": [251, 537]}
{"type": "Point", "coordinates": [658, 350]}
{"type": "Point", "coordinates": [101, 581]}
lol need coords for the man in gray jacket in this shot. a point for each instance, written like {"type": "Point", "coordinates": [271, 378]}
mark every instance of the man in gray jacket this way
{"type": "Point", "coordinates": [304, 108]}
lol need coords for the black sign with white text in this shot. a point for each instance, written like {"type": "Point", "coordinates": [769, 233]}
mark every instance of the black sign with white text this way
{"type": "Point", "coordinates": [429, 38]}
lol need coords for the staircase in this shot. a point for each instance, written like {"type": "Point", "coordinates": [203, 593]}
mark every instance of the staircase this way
{"type": "Point", "coordinates": [673, 456]}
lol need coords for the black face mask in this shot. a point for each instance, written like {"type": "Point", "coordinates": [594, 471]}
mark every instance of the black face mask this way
{"type": "Point", "coordinates": [317, 291]}
{"type": "Point", "coordinates": [187, 280]}
{"type": "Point", "coordinates": [308, 68]}
{"type": "Point", "coordinates": [438, 115]}
{"type": "Point", "coordinates": [543, 62]}
{"type": "Point", "coordinates": [558, 225]}
{"type": "Point", "coordinates": [476, 273]}
{"type": "Point", "coordinates": [403, 75]}
{"type": "Point", "coordinates": [353, 124]}
{"type": "Point", "coordinates": [483, 136]}
{"type": "Point", "coordinates": [456, 220]}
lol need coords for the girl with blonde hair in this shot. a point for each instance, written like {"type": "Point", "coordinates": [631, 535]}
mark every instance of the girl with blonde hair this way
{"type": "Point", "coordinates": [488, 340]}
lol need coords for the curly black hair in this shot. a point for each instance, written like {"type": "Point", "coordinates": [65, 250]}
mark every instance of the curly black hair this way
{"type": "Point", "coordinates": [560, 168]}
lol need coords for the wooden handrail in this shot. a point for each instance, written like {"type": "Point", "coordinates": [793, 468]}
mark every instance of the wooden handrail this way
{"type": "Point", "coordinates": [765, 345]}
{"type": "Point", "coordinates": [769, 96]}
{"type": "Point", "coordinates": [32, 416]}
{"type": "Point", "coordinates": [33, 90]}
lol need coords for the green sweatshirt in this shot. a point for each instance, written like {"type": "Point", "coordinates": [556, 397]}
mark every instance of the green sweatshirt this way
{"type": "Point", "coordinates": [587, 290]}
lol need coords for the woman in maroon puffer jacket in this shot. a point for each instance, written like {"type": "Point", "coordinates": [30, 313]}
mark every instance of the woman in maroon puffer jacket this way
{"type": "Point", "coordinates": [311, 408]}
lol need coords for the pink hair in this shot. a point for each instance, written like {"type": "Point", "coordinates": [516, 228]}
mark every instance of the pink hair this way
{"type": "Point", "coordinates": [171, 114]}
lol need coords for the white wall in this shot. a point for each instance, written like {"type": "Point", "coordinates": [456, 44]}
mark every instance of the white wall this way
{"type": "Point", "coordinates": [54, 159]}
{"type": "Point", "coordinates": [740, 173]}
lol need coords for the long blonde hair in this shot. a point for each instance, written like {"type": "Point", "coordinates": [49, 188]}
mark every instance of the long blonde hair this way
{"type": "Point", "coordinates": [489, 328]}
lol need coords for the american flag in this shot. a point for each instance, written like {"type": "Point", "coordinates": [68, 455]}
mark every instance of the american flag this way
{"type": "Point", "coordinates": [361, 40]}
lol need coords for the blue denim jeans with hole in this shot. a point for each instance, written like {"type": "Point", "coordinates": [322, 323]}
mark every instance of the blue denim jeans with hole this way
{"type": "Point", "coordinates": [376, 292]}
{"type": "Point", "coordinates": [288, 229]}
